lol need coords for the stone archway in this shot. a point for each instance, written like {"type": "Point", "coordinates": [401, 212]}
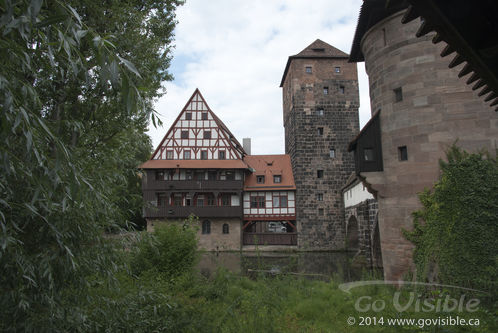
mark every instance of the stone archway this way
{"type": "Point", "coordinates": [352, 235]}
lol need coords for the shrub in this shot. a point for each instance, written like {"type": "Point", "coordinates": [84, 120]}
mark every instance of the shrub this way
{"type": "Point", "coordinates": [455, 231]}
{"type": "Point", "coordinates": [170, 250]}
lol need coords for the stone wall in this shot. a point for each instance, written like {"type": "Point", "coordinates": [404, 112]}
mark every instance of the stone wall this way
{"type": "Point", "coordinates": [365, 213]}
{"type": "Point", "coordinates": [437, 109]}
{"type": "Point", "coordinates": [216, 240]}
{"type": "Point", "coordinates": [320, 223]}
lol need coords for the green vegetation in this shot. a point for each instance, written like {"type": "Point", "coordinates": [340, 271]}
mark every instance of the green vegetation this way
{"type": "Point", "coordinates": [456, 232]}
{"type": "Point", "coordinates": [77, 83]}
{"type": "Point", "coordinates": [160, 297]}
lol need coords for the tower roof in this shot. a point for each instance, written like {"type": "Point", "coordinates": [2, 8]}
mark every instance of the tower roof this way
{"type": "Point", "coordinates": [317, 49]}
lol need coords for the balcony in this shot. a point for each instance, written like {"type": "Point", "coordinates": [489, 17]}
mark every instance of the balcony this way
{"type": "Point", "coordinates": [255, 238]}
{"type": "Point", "coordinates": [201, 212]}
{"type": "Point", "coordinates": [196, 185]}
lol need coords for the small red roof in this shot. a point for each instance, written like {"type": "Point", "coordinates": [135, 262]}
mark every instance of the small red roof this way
{"type": "Point", "coordinates": [269, 166]}
{"type": "Point", "coordinates": [194, 164]}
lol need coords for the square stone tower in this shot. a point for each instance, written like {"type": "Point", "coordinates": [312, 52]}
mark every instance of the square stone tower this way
{"type": "Point", "coordinates": [320, 104]}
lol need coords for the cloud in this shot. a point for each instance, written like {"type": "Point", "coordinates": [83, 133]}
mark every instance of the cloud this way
{"type": "Point", "coordinates": [235, 53]}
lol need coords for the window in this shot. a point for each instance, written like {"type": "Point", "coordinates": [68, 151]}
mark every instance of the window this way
{"type": "Point", "coordinates": [337, 69]}
{"type": "Point", "coordinates": [320, 130]}
{"type": "Point", "coordinates": [207, 134]}
{"type": "Point", "coordinates": [332, 153]}
{"type": "Point", "coordinates": [210, 199]}
{"type": "Point", "coordinates": [325, 90]}
{"type": "Point", "coordinates": [257, 202]}
{"type": "Point", "coordinates": [188, 116]}
{"type": "Point", "coordinates": [188, 200]}
{"type": "Point", "coordinates": [319, 196]}
{"type": "Point", "coordinates": [160, 175]}
{"type": "Point", "coordinates": [200, 200]}
{"type": "Point", "coordinates": [211, 175]}
{"type": "Point", "coordinates": [230, 175]}
{"type": "Point", "coordinates": [204, 154]}
{"type": "Point", "coordinates": [204, 116]}
{"type": "Point", "coordinates": [206, 227]}
{"type": "Point", "coordinates": [225, 228]}
{"type": "Point", "coordinates": [188, 175]}
{"type": "Point", "coordinates": [398, 94]}
{"type": "Point", "coordinates": [277, 179]}
{"type": "Point", "coordinates": [169, 155]}
{"type": "Point", "coordinates": [341, 89]}
{"type": "Point", "coordinates": [200, 175]}
{"type": "Point", "coordinates": [260, 179]}
{"type": "Point", "coordinates": [368, 154]}
{"type": "Point", "coordinates": [186, 154]}
{"type": "Point", "coordinates": [280, 201]}
{"type": "Point", "coordinates": [319, 112]}
{"type": "Point", "coordinates": [177, 199]}
{"type": "Point", "coordinates": [226, 200]}
{"type": "Point", "coordinates": [184, 134]}
{"type": "Point", "coordinates": [221, 155]}
{"type": "Point", "coordinates": [308, 70]}
{"type": "Point", "coordinates": [403, 153]}
{"type": "Point", "coordinates": [162, 199]}
{"type": "Point", "coordinates": [319, 173]}
{"type": "Point", "coordinates": [320, 211]}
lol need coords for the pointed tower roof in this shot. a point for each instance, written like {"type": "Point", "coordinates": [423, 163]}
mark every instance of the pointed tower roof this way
{"type": "Point", "coordinates": [317, 49]}
{"type": "Point", "coordinates": [197, 139]}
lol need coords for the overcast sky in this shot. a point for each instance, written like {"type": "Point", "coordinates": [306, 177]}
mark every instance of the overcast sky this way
{"type": "Point", "coordinates": [235, 52]}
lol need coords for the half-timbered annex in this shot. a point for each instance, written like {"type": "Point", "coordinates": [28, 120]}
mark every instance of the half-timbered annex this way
{"type": "Point", "coordinates": [269, 201]}
{"type": "Point", "coordinates": [200, 168]}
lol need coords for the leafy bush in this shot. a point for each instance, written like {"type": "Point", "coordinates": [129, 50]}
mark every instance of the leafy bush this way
{"type": "Point", "coordinates": [170, 250]}
{"type": "Point", "coordinates": [455, 231]}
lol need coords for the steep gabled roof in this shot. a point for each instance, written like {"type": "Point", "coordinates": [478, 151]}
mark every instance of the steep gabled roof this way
{"type": "Point", "coordinates": [222, 138]}
{"type": "Point", "coordinates": [317, 49]}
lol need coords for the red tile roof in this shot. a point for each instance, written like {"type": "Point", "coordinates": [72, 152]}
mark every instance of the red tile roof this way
{"type": "Point", "coordinates": [194, 164]}
{"type": "Point", "coordinates": [269, 166]}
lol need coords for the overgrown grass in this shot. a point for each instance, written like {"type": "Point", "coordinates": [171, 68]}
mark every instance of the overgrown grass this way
{"type": "Point", "coordinates": [154, 299]}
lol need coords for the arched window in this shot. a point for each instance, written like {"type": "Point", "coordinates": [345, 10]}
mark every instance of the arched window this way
{"type": "Point", "coordinates": [225, 228]}
{"type": "Point", "coordinates": [206, 227]}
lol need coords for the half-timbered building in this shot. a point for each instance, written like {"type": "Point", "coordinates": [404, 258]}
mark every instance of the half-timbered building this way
{"type": "Point", "coordinates": [269, 201]}
{"type": "Point", "coordinates": [200, 168]}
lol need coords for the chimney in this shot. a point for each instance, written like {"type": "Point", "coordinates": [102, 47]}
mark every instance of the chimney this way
{"type": "Point", "coordinates": [246, 144]}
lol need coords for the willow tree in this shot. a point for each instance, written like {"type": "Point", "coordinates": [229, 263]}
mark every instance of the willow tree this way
{"type": "Point", "coordinates": [77, 83]}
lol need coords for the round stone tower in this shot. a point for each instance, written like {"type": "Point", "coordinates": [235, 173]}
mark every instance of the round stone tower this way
{"type": "Point", "coordinates": [423, 108]}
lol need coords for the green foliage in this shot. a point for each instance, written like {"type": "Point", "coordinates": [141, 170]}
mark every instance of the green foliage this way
{"type": "Point", "coordinates": [75, 102]}
{"type": "Point", "coordinates": [171, 250]}
{"type": "Point", "coordinates": [455, 232]}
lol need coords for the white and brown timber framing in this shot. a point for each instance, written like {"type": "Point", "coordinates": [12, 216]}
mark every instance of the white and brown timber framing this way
{"type": "Point", "coordinates": [196, 118]}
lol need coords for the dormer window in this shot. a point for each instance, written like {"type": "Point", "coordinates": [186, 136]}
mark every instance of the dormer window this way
{"type": "Point", "coordinates": [260, 179]}
{"type": "Point", "coordinates": [277, 179]}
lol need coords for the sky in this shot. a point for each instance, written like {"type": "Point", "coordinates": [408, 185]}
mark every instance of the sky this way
{"type": "Point", "coordinates": [235, 52]}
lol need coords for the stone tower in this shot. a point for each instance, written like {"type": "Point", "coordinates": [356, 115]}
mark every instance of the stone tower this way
{"type": "Point", "coordinates": [320, 104]}
{"type": "Point", "coordinates": [420, 108]}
